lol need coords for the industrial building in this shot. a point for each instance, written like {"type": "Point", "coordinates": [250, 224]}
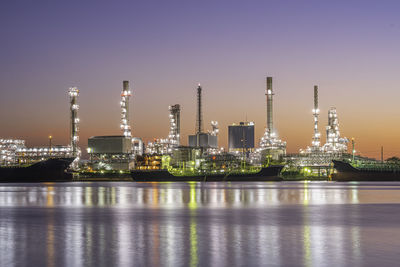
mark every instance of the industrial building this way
{"type": "Point", "coordinates": [241, 137]}
{"type": "Point", "coordinates": [110, 152]}
{"type": "Point", "coordinates": [200, 138]}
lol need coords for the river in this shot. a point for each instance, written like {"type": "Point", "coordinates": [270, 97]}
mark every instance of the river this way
{"type": "Point", "coordinates": [200, 224]}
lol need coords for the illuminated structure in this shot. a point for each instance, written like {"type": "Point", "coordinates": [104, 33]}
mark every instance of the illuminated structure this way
{"type": "Point", "coordinates": [125, 95]}
{"type": "Point", "coordinates": [269, 143]}
{"type": "Point", "coordinates": [316, 140]}
{"type": "Point", "coordinates": [8, 151]}
{"type": "Point", "coordinates": [74, 129]}
{"type": "Point", "coordinates": [214, 128]}
{"type": "Point", "coordinates": [174, 125]}
{"type": "Point", "coordinates": [317, 160]}
{"type": "Point", "coordinates": [317, 135]}
{"type": "Point", "coordinates": [110, 152]}
{"type": "Point", "coordinates": [334, 143]}
{"type": "Point", "coordinates": [27, 155]}
{"type": "Point", "coordinates": [164, 146]}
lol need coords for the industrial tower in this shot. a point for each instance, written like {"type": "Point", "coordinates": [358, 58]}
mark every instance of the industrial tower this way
{"type": "Point", "coordinates": [199, 117]}
{"type": "Point", "coordinates": [74, 107]}
{"type": "Point", "coordinates": [174, 125]}
{"type": "Point", "coordinates": [125, 95]}
{"type": "Point", "coordinates": [269, 94]}
{"type": "Point", "coordinates": [317, 135]}
{"type": "Point", "coordinates": [270, 140]}
{"type": "Point", "coordinates": [201, 139]}
{"type": "Point", "coordinates": [334, 143]}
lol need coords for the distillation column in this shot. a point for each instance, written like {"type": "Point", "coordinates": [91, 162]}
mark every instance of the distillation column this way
{"type": "Point", "coordinates": [125, 95]}
{"type": "Point", "coordinates": [269, 94]}
{"type": "Point", "coordinates": [74, 107]}
{"type": "Point", "coordinates": [317, 135]}
{"type": "Point", "coordinates": [175, 125]}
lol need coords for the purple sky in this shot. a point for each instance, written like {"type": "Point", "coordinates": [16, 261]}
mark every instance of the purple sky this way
{"type": "Point", "coordinates": [165, 48]}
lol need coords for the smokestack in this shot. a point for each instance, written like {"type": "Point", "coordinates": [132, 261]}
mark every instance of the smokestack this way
{"type": "Point", "coordinates": [74, 107]}
{"type": "Point", "coordinates": [125, 95]}
{"type": "Point", "coordinates": [316, 137]}
{"type": "Point", "coordinates": [315, 97]}
{"type": "Point", "coordinates": [269, 95]}
{"type": "Point", "coordinates": [125, 85]}
{"type": "Point", "coordinates": [199, 119]}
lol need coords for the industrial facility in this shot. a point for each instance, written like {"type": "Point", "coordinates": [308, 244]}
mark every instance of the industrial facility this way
{"type": "Point", "coordinates": [316, 160]}
{"type": "Point", "coordinates": [125, 152]}
{"type": "Point", "coordinates": [8, 151]}
{"type": "Point", "coordinates": [14, 151]}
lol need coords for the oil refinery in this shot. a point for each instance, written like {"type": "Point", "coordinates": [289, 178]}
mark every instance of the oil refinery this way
{"type": "Point", "coordinates": [123, 152]}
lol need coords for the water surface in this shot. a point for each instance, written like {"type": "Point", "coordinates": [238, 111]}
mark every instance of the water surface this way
{"type": "Point", "coordinates": [200, 224]}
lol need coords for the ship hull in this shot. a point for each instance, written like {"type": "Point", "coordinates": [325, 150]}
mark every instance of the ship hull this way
{"type": "Point", "coordinates": [265, 174]}
{"type": "Point", "coordinates": [51, 170]}
{"type": "Point", "coordinates": [346, 173]}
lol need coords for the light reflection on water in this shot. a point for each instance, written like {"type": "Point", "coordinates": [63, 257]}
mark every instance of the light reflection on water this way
{"type": "Point", "coordinates": [206, 224]}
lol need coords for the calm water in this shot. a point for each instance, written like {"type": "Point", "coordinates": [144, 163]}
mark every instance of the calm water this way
{"type": "Point", "coordinates": [205, 224]}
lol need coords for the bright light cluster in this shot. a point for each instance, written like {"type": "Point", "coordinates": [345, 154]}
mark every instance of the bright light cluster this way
{"type": "Point", "coordinates": [125, 127]}
{"type": "Point", "coordinates": [73, 93]}
{"type": "Point", "coordinates": [334, 143]}
{"type": "Point", "coordinates": [214, 128]}
{"type": "Point", "coordinates": [174, 125]}
{"type": "Point", "coordinates": [8, 149]}
{"type": "Point", "coordinates": [271, 141]}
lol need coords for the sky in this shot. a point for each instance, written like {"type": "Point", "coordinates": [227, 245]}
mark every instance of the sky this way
{"type": "Point", "coordinates": [350, 49]}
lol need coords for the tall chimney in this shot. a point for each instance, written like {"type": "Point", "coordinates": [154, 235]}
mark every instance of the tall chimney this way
{"type": "Point", "coordinates": [199, 118]}
{"type": "Point", "coordinates": [269, 95]}
{"type": "Point", "coordinates": [74, 129]}
{"type": "Point", "coordinates": [316, 137]}
{"type": "Point", "coordinates": [125, 95]}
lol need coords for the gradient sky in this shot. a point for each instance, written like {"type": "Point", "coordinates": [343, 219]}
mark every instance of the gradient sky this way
{"type": "Point", "coordinates": [351, 49]}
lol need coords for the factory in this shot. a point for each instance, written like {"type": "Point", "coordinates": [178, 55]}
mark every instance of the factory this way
{"type": "Point", "coordinates": [124, 152]}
